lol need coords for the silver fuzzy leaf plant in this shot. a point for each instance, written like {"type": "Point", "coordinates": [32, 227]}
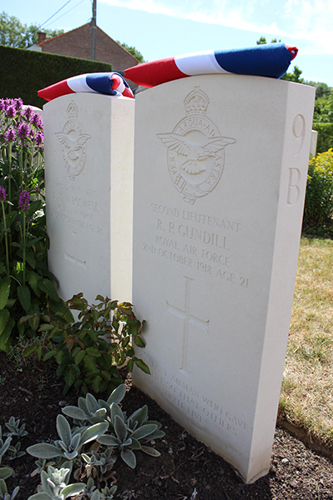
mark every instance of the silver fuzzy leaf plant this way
{"type": "Point", "coordinates": [98, 461]}
{"type": "Point", "coordinates": [14, 428]}
{"type": "Point", "coordinates": [4, 495]}
{"type": "Point", "coordinates": [123, 434]}
{"type": "Point", "coordinates": [91, 410]}
{"type": "Point", "coordinates": [5, 472]}
{"type": "Point", "coordinates": [70, 443]}
{"type": "Point", "coordinates": [127, 441]}
{"type": "Point", "coordinates": [91, 492]}
{"type": "Point", "coordinates": [55, 484]}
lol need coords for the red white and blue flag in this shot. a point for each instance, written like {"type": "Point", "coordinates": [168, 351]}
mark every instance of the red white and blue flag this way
{"type": "Point", "coordinates": [270, 60]}
{"type": "Point", "coordinates": [112, 84]}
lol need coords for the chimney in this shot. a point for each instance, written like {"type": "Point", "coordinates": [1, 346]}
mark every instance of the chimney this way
{"type": "Point", "coordinates": [41, 37]}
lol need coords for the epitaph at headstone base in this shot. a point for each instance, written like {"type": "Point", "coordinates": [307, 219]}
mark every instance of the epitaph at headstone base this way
{"type": "Point", "coordinates": [89, 140]}
{"type": "Point", "coordinates": [219, 184]}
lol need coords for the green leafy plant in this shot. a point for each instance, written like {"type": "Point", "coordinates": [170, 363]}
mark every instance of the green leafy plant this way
{"type": "Point", "coordinates": [325, 135]}
{"type": "Point", "coordinates": [318, 210]}
{"type": "Point", "coordinates": [26, 285]}
{"type": "Point", "coordinates": [90, 350]}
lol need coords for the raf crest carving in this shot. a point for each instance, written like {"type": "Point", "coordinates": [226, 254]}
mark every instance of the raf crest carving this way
{"type": "Point", "coordinates": [73, 142]}
{"type": "Point", "coordinates": [195, 149]}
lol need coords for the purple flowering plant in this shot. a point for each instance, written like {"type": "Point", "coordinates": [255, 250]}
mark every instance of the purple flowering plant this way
{"type": "Point", "coordinates": [24, 200]}
{"type": "Point", "coordinates": [25, 282]}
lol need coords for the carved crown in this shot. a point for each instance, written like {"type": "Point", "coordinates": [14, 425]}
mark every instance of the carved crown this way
{"type": "Point", "coordinates": [196, 103]}
{"type": "Point", "coordinates": [72, 110]}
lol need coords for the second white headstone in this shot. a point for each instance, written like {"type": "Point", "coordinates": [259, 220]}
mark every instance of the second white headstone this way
{"type": "Point", "coordinates": [220, 176]}
{"type": "Point", "coordinates": [89, 192]}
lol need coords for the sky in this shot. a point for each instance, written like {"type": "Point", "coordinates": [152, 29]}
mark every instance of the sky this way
{"type": "Point", "coordinates": [164, 28]}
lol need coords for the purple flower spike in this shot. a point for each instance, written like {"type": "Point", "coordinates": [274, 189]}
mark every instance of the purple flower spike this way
{"type": "Point", "coordinates": [23, 130]}
{"type": "Point", "coordinates": [2, 193]}
{"type": "Point", "coordinates": [18, 103]}
{"type": "Point", "coordinates": [10, 134]}
{"type": "Point", "coordinates": [10, 112]}
{"type": "Point", "coordinates": [24, 200]}
{"type": "Point", "coordinates": [37, 120]}
{"type": "Point", "coordinates": [28, 113]}
{"type": "Point", "coordinates": [39, 139]}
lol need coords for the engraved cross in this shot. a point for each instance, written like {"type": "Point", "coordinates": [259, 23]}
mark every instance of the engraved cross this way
{"type": "Point", "coordinates": [188, 319]}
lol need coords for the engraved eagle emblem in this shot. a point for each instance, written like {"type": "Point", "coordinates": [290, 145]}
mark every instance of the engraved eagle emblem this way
{"type": "Point", "coordinates": [72, 144]}
{"type": "Point", "coordinates": [194, 153]}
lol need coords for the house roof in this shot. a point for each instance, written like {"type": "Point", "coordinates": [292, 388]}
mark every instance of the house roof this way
{"type": "Point", "coordinates": [43, 45]}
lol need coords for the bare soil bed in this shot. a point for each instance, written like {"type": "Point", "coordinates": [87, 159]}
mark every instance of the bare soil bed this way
{"type": "Point", "coordinates": [186, 468]}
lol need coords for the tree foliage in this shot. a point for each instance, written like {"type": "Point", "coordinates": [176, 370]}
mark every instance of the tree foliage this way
{"type": "Point", "coordinates": [295, 76]}
{"type": "Point", "coordinates": [323, 111]}
{"type": "Point", "coordinates": [322, 89]}
{"type": "Point", "coordinates": [262, 41]}
{"type": "Point", "coordinates": [15, 34]}
{"type": "Point", "coordinates": [132, 50]}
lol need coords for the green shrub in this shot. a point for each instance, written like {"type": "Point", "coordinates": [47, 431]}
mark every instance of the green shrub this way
{"type": "Point", "coordinates": [325, 136]}
{"type": "Point", "coordinates": [43, 69]}
{"type": "Point", "coordinates": [90, 349]}
{"type": "Point", "coordinates": [318, 208]}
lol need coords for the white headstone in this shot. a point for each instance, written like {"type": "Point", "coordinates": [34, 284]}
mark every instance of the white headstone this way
{"type": "Point", "coordinates": [89, 142]}
{"type": "Point", "coordinates": [314, 140]}
{"type": "Point", "coordinates": [219, 181]}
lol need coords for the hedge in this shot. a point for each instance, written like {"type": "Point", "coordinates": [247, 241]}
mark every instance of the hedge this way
{"type": "Point", "coordinates": [24, 72]}
{"type": "Point", "coordinates": [325, 136]}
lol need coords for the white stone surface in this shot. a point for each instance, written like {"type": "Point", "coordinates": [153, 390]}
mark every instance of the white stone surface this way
{"type": "Point", "coordinates": [314, 139]}
{"type": "Point", "coordinates": [219, 182]}
{"type": "Point", "coordinates": [89, 193]}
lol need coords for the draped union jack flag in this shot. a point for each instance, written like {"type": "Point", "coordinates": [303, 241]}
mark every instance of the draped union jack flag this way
{"type": "Point", "coordinates": [271, 60]}
{"type": "Point", "coordinates": [112, 84]}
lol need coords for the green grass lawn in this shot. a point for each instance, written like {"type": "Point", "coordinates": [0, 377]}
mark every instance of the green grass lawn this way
{"type": "Point", "coordinates": [307, 388]}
